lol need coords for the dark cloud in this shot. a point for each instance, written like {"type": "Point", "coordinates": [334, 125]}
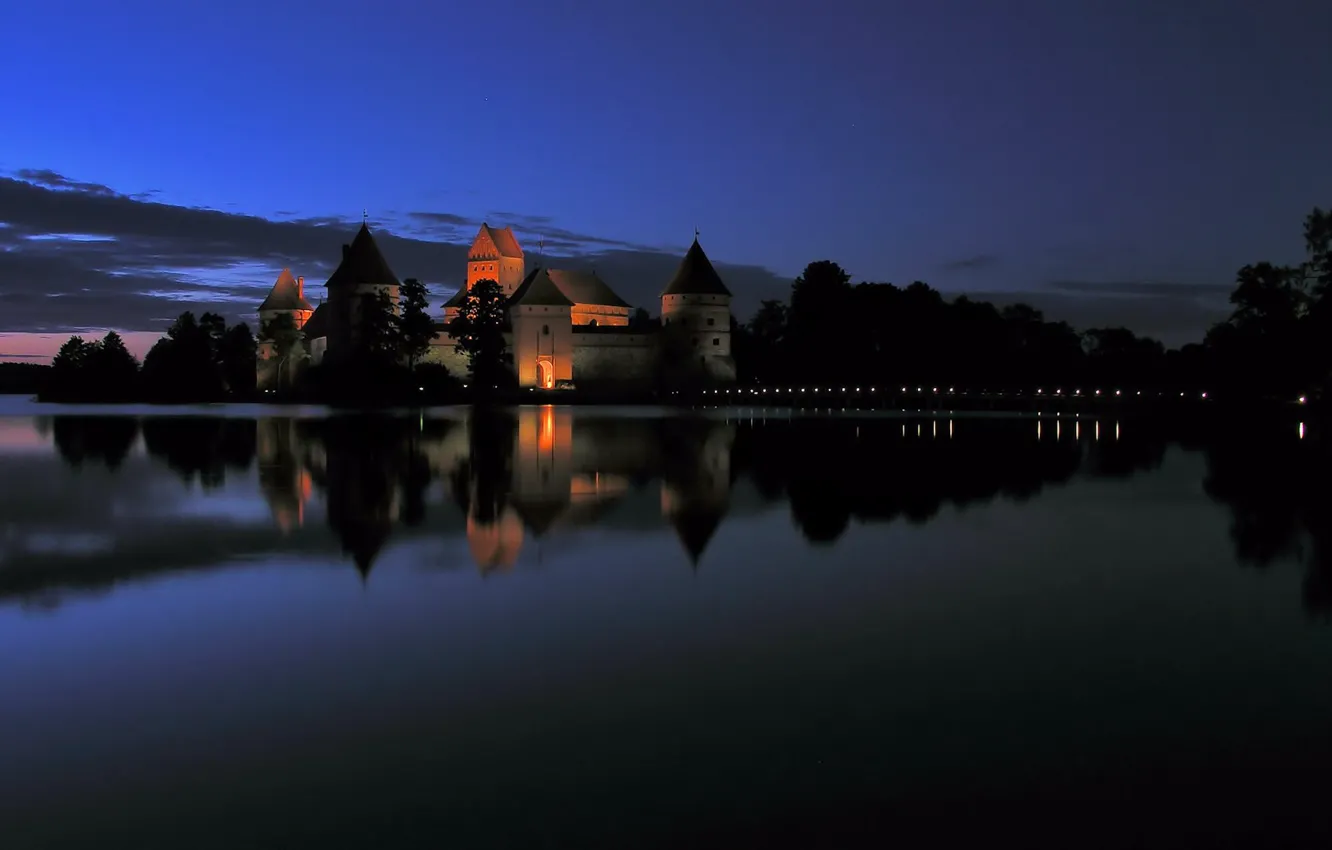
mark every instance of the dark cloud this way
{"type": "Point", "coordinates": [444, 218]}
{"type": "Point", "coordinates": [973, 263]}
{"type": "Point", "coordinates": [56, 180]}
{"type": "Point", "coordinates": [1144, 289]}
{"type": "Point", "coordinates": [75, 256]}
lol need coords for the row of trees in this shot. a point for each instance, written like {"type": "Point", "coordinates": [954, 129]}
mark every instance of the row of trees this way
{"type": "Point", "coordinates": [1279, 337]}
{"type": "Point", "coordinates": [1275, 343]}
{"type": "Point", "coordinates": [197, 360]}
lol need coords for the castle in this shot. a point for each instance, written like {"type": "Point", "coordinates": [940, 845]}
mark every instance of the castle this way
{"type": "Point", "coordinates": [564, 327]}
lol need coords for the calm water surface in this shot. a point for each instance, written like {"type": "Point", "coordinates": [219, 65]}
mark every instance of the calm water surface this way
{"type": "Point", "coordinates": [557, 627]}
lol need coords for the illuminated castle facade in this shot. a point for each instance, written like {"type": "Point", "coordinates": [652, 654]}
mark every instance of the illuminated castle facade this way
{"type": "Point", "coordinates": [565, 327]}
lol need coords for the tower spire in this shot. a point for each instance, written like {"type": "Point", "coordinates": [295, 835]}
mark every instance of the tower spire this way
{"type": "Point", "coordinates": [365, 215]}
{"type": "Point", "coordinates": [695, 233]}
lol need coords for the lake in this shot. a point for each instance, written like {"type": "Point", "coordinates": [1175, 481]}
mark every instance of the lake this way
{"type": "Point", "coordinates": [578, 627]}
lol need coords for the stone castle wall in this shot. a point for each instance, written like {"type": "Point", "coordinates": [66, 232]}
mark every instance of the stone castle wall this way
{"type": "Point", "coordinates": [441, 353]}
{"type": "Point", "coordinates": [614, 358]}
{"type": "Point", "coordinates": [598, 358]}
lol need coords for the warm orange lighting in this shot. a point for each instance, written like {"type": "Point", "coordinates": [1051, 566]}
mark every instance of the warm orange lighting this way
{"type": "Point", "coordinates": [546, 428]}
{"type": "Point", "coordinates": [495, 544]}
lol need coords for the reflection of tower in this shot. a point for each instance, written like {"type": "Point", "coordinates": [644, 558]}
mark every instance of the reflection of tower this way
{"type": "Point", "coordinates": [543, 466]}
{"type": "Point", "coordinates": [362, 482]}
{"type": "Point", "coordinates": [285, 482]}
{"type": "Point", "coordinates": [696, 484]}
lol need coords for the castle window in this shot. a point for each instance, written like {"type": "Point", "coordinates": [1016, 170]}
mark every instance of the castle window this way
{"type": "Point", "coordinates": [545, 330]}
{"type": "Point", "coordinates": [711, 322]}
{"type": "Point", "coordinates": [716, 341]}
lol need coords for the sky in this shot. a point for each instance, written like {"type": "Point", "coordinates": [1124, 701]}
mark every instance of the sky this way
{"type": "Point", "coordinates": [1112, 163]}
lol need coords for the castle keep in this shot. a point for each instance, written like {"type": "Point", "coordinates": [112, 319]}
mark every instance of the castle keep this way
{"type": "Point", "coordinates": [565, 327]}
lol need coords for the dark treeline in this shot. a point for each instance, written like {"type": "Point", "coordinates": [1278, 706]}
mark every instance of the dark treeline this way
{"type": "Point", "coordinates": [830, 473]}
{"type": "Point", "coordinates": [22, 378]}
{"type": "Point", "coordinates": [198, 360]}
{"type": "Point", "coordinates": [1276, 344]}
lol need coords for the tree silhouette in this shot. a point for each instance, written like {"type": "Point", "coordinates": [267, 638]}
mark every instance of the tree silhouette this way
{"type": "Point", "coordinates": [287, 342]}
{"type": "Point", "coordinates": [478, 331]}
{"type": "Point", "coordinates": [238, 353]}
{"type": "Point", "coordinates": [69, 369]}
{"type": "Point", "coordinates": [416, 330]}
{"type": "Point", "coordinates": [114, 371]}
{"type": "Point", "coordinates": [378, 330]}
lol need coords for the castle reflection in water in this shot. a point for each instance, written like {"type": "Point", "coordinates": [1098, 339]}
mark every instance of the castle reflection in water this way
{"type": "Point", "coordinates": [511, 479]}
{"type": "Point", "coordinates": [514, 475]}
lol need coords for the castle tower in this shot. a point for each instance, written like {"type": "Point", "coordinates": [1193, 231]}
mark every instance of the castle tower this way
{"type": "Point", "coordinates": [363, 271]}
{"type": "Point", "coordinates": [496, 255]}
{"type": "Point", "coordinates": [696, 310]}
{"type": "Point", "coordinates": [541, 318]}
{"type": "Point", "coordinates": [286, 296]}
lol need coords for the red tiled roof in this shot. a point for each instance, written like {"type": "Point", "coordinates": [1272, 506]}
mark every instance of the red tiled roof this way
{"type": "Point", "coordinates": [539, 290]}
{"type": "Point", "coordinates": [504, 240]}
{"type": "Point", "coordinates": [285, 295]}
{"type": "Point", "coordinates": [586, 288]}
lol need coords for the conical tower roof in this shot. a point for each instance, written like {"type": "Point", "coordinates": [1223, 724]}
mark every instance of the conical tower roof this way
{"type": "Point", "coordinates": [695, 527]}
{"type": "Point", "coordinates": [285, 295]}
{"type": "Point", "coordinates": [539, 514]}
{"type": "Point", "coordinates": [696, 276]}
{"type": "Point", "coordinates": [362, 263]}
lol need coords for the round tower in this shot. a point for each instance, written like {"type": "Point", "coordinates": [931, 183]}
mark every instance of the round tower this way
{"type": "Point", "coordinates": [696, 317]}
{"type": "Point", "coordinates": [362, 272]}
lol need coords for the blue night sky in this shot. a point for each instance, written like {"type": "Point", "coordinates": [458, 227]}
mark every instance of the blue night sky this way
{"type": "Point", "coordinates": [1110, 162]}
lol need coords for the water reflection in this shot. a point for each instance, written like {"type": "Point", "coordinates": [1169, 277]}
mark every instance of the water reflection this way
{"type": "Point", "coordinates": [1278, 487]}
{"type": "Point", "coordinates": [509, 479]}
{"type": "Point", "coordinates": [94, 439]}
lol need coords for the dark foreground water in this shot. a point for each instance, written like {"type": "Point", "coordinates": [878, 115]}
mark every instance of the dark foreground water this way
{"type": "Point", "coordinates": [580, 628]}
